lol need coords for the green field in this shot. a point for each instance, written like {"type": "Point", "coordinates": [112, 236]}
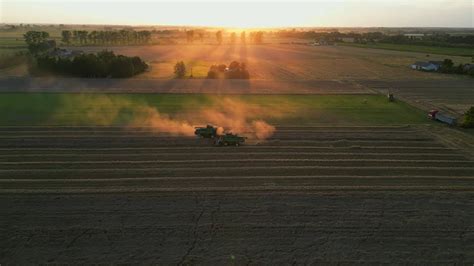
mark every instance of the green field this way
{"type": "Point", "coordinates": [416, 48]}
{"type": "Point", "coordinates": [120, 109]}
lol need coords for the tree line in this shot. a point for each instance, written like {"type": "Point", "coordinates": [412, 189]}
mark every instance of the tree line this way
{"type": "Point", "coordinates": [254, 37]}
{"type": "Point", "coordinates": [101, 65]}
{"type": "Point", "coordinates": [123, 37]}
{"type": "Point", "coordinates": [448, 67]}
{"type": "Point", "coordinates": [437, 39]}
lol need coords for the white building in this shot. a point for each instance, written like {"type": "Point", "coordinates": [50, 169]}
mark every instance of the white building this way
{"type": "Point", "coordinates": [426, 66]}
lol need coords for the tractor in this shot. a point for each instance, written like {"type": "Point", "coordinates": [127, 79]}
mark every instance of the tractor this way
{"type": "Point", "coordinates": [229, 139]}
{"type": "Point", "coordinates": [207, 132]}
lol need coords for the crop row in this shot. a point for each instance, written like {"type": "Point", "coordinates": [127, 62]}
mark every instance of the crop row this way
{"type": "Point", "coordinates": [227, 150]}
{"type": "Point", "coordinates": [248, 181]}
{"type": "Point", "coordinates": [218, 162]}
{"type": "Point", "coordinates": [66, 156]}
{"type": "Point", "coordinates": [238, 169]}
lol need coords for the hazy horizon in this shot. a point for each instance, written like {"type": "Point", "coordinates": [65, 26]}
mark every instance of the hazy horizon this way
{"type": "Point", "coordinates": [245, 14]}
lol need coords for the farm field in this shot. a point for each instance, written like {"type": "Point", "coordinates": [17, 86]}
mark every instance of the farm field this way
{"type": "Point", "coordinates": [109, 170]}
{"type": "Point", "coordinates": [450, 97]}
{"type": "Point", "coordinates": [306, 190]}
{"type": "Point", "coordinates": [120, 109]}
{"type": "Point", "coordinates": [416, 48]}
{"type": "Point", "coordinates": [275, 69]}
{"type": "Point", "coordinates": [286, 62]}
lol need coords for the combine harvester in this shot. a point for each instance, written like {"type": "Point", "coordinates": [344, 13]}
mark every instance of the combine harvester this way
{"type": "Point", "coordinates": [207, 132]}
{"type": "Point", "coordinates": [436, 115]}
{"type": "Point", "coordinates": [225, 139]}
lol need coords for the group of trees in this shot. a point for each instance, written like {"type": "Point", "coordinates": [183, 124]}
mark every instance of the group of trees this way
{"type": "Point", "coordinates": [235, 70]}
{"type": "Point", "coordinates": [441, 40]}
{"type": "Point", "coordinates": [121, 37]}
{"type": "Point", "coordinates": [191, 36]}
{"type": "Point", "coordinates": [436, 39]}
{"type": "Point", "coordinates": [38, 41]}
{"type": "Point", "coordinates": [448, 67]}
{"type": "Point", "coordinates": [256, 37]}
{"type": "Point", "coordinates": [100, 65]}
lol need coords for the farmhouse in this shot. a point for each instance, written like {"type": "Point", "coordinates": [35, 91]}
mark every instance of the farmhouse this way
{"type": "Point", "coordinates": [426, 66]}
{"type": "Point", "coordinates": [64, 53]}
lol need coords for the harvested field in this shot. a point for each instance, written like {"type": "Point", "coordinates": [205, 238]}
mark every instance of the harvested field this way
{"type": "Point", "coordinates": [287, 62]}
{"type": "Point", "coordinates": [83, 194]}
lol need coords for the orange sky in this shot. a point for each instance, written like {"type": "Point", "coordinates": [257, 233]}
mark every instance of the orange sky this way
{"type": "Point", "coordinates": [243, 14]}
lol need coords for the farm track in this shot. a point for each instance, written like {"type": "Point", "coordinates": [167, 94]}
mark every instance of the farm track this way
{"type": "Point", "coordinates": [306, 196]}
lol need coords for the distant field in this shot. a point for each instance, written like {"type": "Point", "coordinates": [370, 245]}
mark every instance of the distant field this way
{"type": "Point", "coordinates": [12, 43]}
{"type": "Point", "coordinates": [275, 62]}
{"type": "Point", "coordinates": [285, 62]}
{"type": "Point", "coordinates": [118, 109]}
{"type": "Point", "coordinates": [416, 48]}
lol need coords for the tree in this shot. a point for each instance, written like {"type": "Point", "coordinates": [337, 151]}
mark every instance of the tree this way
{"type": "Point", "coordinates": [258, 39]}
{"type": "Point", "coordinates": [190, 36]}
{"type": "Point", "coordinates": [38, 41]}
{"type": "Point", "coordinates": [66, 36]}
{"type": "Point", "coordinates": [447, 64]}
{"type": "Point", "coordinates": [242, 37]}
{"type": "Point", "coordinates": [180, 69]}
{"type": "Point", "coordinates": [233, 38]}
{"type": "Point", "coordinates": [468, 120]}
{"type": "Point", "coordinates": [219, 37]}
{"type": "Point", "coordinates": [201, 36]}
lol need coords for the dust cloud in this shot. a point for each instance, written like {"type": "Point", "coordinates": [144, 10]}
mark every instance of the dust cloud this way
{"type": "Point", "coordinates": [229, 115]}
{"type": "Point", "coordinates": [239, 117]}
{"type": "Point", "coordinates": [149, 117]}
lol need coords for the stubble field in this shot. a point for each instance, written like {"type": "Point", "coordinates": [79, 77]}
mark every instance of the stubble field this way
{"type": "Point", "coordinates": [306, 195]}
{"type": "Point", "coordinates": [286, 62]}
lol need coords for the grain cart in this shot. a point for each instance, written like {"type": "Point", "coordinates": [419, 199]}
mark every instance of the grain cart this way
{"type": "Point", "coordinates": [206, 132]}
{"type": "Point", "coordinates": [229, 139]}
{"type": "Point", "coordinates": [436, 115]}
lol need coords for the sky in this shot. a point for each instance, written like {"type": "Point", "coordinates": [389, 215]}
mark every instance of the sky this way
{"type": "Point", "coordinates": [243, 14]}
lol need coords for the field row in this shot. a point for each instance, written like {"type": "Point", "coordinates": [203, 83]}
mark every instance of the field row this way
{"type": "Point", "coordinates": [98, 156]}
{"type": "Point", "coordinates": [292, 159]}
{"type": "Point", "coordinates": [72, 228]}
{"type": "Point", "coordinates": [247, 183]}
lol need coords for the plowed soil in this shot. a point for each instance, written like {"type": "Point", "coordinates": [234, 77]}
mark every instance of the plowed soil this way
{"type": "Point", "coordinates": [306, 195]}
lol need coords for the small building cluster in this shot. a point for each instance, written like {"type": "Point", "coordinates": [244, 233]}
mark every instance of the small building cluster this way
{"type": "Point", "coordinates": [427, 66]}
{"type": "Point", "coordinates": [64, 53]}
